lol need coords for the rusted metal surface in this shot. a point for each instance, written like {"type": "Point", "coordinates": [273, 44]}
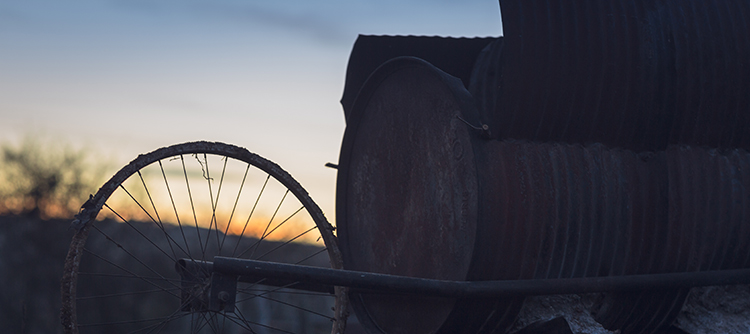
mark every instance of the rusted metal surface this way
{"type": "Point", "coordinates": [622, 130]}
{"type": "Point", "coordinates": [560, 210]}
{"type": "Point", "coordinates": [554, 210]}
{"type": "Point", "coordinates": [631, 74]}
{"type": "Point", "coordinates": [86, 219]}
{"type": "Point", "coordinates": [644, 76]}
{"type": "Point", "coordinates": [711, 187]}
{"type": "Point", "coordinates": [407, 191]}
{"type": "Point", "coordinates": [454, 56]}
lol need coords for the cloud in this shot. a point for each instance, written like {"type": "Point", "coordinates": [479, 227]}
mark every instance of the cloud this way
{"type": "Point", "coordinates": [293, 17]}
{"type": "Point", "coordinates": [322, 25]}
{"type": "Point", "coordinates": [334, 21]}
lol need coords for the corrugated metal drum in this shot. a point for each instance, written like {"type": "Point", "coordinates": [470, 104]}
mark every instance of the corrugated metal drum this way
{"type": "Point", "coordinates": [636, 74]}
{"type": "Point", "coordinates": [420, 193]}
{"type": "Point", "coordinates": [620, 134]}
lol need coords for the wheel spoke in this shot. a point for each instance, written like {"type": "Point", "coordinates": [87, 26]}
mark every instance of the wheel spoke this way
{"type": "Point", "coordinates": [174, 207]}
{"type": "Point", "coordinates": [160, 325]}
{"type": "Point", "coordinates": [156, 212]}
{"type": "Point", "coordinates": [285, 243]}
{"type": "Point", "coordinates": [120, 294]}
{"type": "Point", "coordinates": [247, 222]}
{"type": "Point", "coordinates": [207, 177]}
{"type": "Point", "coordinates": [311, 256]}
{"type": "Point", "coordinates": [265, 233]}
{"type": "Point", "coordinates": [116, 283]}
{"type": "Point", "coordinates": [134, 275]}
{"type": "Point", "coordinates": [234, 207]}
{"type": "Point", "coordinates": [192, 207]}
{"type": "Point", "coordinates": [173, 258]}
{"type": "Point", "coordinates": [213, 222]}
{"type": "Point", "coordinates": [239, 319]}
{"type": "Point", "coordinates": [130, 275]}
{"type": "Point", "coordinates": [265, 293]}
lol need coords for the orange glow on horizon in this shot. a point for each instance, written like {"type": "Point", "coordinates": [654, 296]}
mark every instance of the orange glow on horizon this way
{"type": "Point", "coordinates": [278, 229]}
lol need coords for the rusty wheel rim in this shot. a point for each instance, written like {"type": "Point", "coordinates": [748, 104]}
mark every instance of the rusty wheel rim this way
{"type": "Point", "coordinates": [102, 256]}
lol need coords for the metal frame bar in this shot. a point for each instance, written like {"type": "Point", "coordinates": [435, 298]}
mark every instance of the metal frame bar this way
{"type": "Point", "coordinates": [277, 274]}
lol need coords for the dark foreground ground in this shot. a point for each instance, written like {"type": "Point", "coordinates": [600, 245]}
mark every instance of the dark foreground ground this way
{"type": "Point", "coordinates": [32, 253]}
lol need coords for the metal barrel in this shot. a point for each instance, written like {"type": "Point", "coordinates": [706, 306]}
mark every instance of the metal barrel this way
{"type": "Point", "coordinates": [406, 196]}
{"type": "Point", "coordinates": [622, 133]}
{"type": "Point", "coordinates": [558, 210]}
{"type": "Point", "coordinates": [422, 193]}
{"type": "Point", "coordinates": [665, 77]}
{"type": "Point", "coordinates": [632, 74]}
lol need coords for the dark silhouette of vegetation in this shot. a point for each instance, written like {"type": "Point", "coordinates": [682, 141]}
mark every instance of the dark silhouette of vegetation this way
{"type": "Point", "coordinates": [46, 179]}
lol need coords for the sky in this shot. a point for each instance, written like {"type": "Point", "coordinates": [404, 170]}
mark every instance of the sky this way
{"type": "Point", "coordinates": [123, 77]}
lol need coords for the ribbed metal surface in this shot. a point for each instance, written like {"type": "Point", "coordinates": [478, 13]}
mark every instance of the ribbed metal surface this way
{"type": "Point", "coordinates": [559, 210]}
{"type": "Point", "coordinates": [623, 128]}
{"type": "Point", "coordinates": [712, 188]}
{"type": "Point", "coordinates": [643, 76]}
{"type": "Point", "coordinates": [631, 74]}
{"type": "Point", "coordinates": [547, 204]}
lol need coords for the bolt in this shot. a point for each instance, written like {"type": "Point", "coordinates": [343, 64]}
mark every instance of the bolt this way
{"type": "Point", "coordinates": [223, 296]}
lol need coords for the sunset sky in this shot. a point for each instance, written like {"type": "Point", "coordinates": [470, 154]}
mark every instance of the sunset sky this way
{"type": "Point", "coordinates": [126, 77]}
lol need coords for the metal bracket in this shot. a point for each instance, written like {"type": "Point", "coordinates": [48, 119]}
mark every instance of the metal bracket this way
{"type": "Point", "coordinates": [223, 292]}
{"type": "Point", "coordinates": [193, 279]}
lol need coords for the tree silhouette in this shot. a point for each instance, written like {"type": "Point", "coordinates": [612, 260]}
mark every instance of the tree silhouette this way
{"type": "Point", "coordinates": [46, 179]}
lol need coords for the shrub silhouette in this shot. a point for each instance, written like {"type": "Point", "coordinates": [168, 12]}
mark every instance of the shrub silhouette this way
{"type": "Point", "coordinates": [46, 179]}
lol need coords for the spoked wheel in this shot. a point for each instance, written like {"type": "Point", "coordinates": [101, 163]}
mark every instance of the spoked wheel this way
{"type": "Point", "coordinates": [188, 203]}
